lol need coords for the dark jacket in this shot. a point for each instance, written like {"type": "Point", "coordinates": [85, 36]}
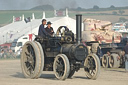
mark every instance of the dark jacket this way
{"type": "Point", "coordinates": [42, 32]}
{"type": "Point", "coordinates": [49, 30]}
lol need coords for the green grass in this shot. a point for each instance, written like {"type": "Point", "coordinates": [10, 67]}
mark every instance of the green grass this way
{"type": "Point", "coordinates": [6, 16]}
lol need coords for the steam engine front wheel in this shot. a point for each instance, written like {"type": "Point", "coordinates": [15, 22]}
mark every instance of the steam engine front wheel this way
{"type": "Point", "coordinates": [92, 66]}
{"type": "Point", "coordinates": [61, 67]}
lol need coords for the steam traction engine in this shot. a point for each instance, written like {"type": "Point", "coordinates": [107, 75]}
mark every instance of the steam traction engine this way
{"type": "Point", "coordinates": [61, 54]}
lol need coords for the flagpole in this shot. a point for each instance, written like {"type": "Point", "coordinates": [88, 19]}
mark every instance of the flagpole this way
{"type": "Point", "coordinates": [3, 39]}
{"type": "Point", "coordinates": [31, 30]}
{"type": "Point", "coordinates": [6, 37]}
{"type": "Point", "coordinates": [29, 20]}
{"type": "Point", "coordinates": [31, 27]}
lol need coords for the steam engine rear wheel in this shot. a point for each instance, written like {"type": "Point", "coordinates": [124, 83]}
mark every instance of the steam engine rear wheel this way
{"type": "Point", "coordinates": [114, 62]}
{"type": "Point", "coordinates": [31, 60]}
{"type": "Point", "coordinates": [61, 67]}
{"type": "Point", "coordinates": [92, 66]}
{"type": "Point", "coordinates": [105, 61]}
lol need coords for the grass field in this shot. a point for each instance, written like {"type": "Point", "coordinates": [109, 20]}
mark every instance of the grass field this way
{"type": "Point", "coordinates": [6, 16]}
{"type": "Point", "coordinates": [101, 15]}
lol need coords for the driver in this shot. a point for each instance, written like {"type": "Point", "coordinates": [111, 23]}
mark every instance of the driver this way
{"type": "Point", "coordinates": [42, 32]}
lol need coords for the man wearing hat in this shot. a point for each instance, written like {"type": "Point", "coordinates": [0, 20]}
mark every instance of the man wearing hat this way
{"type": "Point", "coordinates": [49, 29]}
{"type": "Point", "coordinates": [42, 32]}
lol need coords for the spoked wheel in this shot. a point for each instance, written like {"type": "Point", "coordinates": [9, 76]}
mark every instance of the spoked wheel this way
{"type": "Point", "coordinates": [105, 60]}
{"type": "Point", "coordinates": [61, 67]}
{"type": "Point", "coordinates": [31, 60]}
{"type": "Point", "coordinates": [113, 61]}
{"type": "Point", "coordinates": [92, 66]}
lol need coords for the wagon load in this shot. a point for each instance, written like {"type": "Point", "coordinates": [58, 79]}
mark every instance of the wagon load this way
{"type": "Point", "coordinates": [99, 31]}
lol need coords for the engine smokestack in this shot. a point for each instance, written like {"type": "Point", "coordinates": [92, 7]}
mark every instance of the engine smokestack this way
{"type": "Point", "coordinates": [78, 28]}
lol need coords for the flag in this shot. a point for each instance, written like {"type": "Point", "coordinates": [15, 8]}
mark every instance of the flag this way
{"type": "Point", "coordinates": [11, 35]}
{"type": "Point", "coordinates": [60, 13]}
{"type": "Point", "coordinates": [30, 37]}
{"type": "Point", "coordinates": [27, 19]}
{"type": "Point", "coordinates": [17, 19]}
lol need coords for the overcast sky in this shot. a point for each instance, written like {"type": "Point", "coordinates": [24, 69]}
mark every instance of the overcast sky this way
{"type": "Point", "coordinates": [27, 4]}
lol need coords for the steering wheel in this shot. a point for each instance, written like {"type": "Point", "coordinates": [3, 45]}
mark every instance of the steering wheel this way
{"type": "Point", "coordinates": [66, 35]}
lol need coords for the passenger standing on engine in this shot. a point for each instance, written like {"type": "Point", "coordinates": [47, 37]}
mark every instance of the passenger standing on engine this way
{"type": "Point", "coordinates": [126, 57]}
{"type": "Point", "coordinates": [42, 32]}
{"type": "Point", "coordinates": [49, 29]}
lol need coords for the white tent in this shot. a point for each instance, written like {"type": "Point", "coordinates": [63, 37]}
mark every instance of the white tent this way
{"type": "Point", "coordinates": [57, 22]}
{"type": "Point", "coordinates": [18, 29]}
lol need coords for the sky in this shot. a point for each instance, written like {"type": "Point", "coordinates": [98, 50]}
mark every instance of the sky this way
{"type": "Point", "coordinates": [57, 4]}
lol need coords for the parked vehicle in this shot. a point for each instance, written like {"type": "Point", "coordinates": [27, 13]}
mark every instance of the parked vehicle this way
{"type": "Point", "coordinates": [18, 43]}
{"type": "Point", "coordinates": [119, 26]}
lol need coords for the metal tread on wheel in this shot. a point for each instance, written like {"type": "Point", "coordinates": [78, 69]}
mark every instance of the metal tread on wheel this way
{"type": "Point", "coordinates": [61, 67]}
{"type": "Point", "coordinates": [42, 59]}
{"type": "Point", "coordinates": [31, 60]}
{"type": "Point", "coordinates": [92, 66]}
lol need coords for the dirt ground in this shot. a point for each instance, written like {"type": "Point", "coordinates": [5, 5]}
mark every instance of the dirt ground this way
{"type": "Point", "coordinates": [11, 74]}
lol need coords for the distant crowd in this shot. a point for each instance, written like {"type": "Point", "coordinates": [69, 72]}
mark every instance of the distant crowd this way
{"type": "Point", "coordinates": [5, 54]}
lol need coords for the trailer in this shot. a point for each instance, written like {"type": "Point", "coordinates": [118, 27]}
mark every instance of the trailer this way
{"type": "Point", "coordinates": [105, 42]}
